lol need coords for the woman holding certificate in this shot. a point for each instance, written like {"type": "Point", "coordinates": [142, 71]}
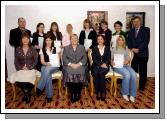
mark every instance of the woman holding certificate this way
{"type": "Point", "coordinates": [120, 60]}
{"type": "Point", "coordinates": [50, 59]}
{"type": "Point", "coordinates": [87, 36]}
{"type": "Point", "coordinates": [74, 66]}
{"type": "Point", "coordinates": [101, 60]}
{"type": "Point", "coordinates": [37, 41]}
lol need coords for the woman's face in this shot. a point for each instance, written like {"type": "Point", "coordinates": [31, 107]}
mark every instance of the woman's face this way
{"type": "Point", "coordinates": [117, 27]}
{"type": "Point", "coordinates": [74, 40]}
{"type": "Point", "coordinates": [41, 28]}
{"type": "Point", "coordinates": [54, 28]}
{"type": "Point", "coordinates": [48, 42]}
{"type": "Point", "coordinates": [120, 42]}
{"type": "Point", "coordinates": [69, 29]}
{"type": "Point", "coordinates": [100, 40]}
{"type": "Point", "coordinates": [104, 26]}
{"type": "Point", "coordinates": [87, 26]}
{"type": "Point", "coordinates": [25, 41]}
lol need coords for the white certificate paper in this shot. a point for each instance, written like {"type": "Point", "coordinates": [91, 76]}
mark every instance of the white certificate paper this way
{"type": "Point", "coordinates": [57, 43]}
{"type": "Point", "coordinates": [118, 60]}
{"type": "Point", "coordinates": [40, 42]}
{"type": "Point", "coordinates": [87, 43]}
{"type": "Point", "coordinates": [114, 40]}
{"type": "Point", "coordinates": [54, 60]}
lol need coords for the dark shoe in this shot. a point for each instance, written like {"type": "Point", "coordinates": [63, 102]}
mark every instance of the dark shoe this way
{"type": "Point", "coordinates": [103, 98]}
{"type": "Point", "coordinates": [49, 100]}
{"type": "Point", "coordinates": [24, 98]}
{"type": "Point", "coordinates": [38, 92]}
{"type": "Point", "coordinates": [97, 97]}
{"type": "Point", "coordinates": [78, 96]}
{"type": "Point", "coordinates": [141, 88]}
{"type": "Point", "coordinates": [28, 98]}
{"type": "Point", "coordinates": [73, 98]}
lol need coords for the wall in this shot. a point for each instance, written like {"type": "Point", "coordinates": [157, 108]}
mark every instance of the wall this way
{"type": "Point", "coordinates": [75, 15]}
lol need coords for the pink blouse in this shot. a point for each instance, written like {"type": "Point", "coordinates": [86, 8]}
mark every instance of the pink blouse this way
{"type": "Point", "coordinates": [66, 40]}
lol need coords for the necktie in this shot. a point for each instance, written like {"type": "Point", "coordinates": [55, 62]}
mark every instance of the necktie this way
{"type": "Point", "coordinates": [136, 32]}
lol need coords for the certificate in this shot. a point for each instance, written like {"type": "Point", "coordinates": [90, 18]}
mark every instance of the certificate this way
{"type": "Point", "coordinates": [87, 43]}
{"type": "Point", "coordinates": [114, 40]}
{"type": "Point", "coordinates": [118, 60]}
{"type": "Point", "coordinates": [57, 43]}
{"type": "Point", "coordinates": [40, 42]}
{"type": "Point", "coordinates": [54, 60]}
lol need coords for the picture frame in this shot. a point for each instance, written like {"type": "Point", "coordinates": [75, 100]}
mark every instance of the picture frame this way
{"type": "Point", "coordinates": [130, 15]}
{"type": "Point", "coordinates": [96, 17]}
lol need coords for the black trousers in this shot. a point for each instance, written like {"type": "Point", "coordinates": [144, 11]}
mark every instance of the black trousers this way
{"type": "Point", "coordinates": [99, 79]}
{"type": "Point", "coordinates": [139, 64]}
{"type": "Point", "coordinates": [74, 87]}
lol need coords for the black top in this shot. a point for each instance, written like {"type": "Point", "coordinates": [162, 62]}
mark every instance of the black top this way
{"type": "Point", "coordinates": [92, 35]}
{"type": "Point", "coordinates": [15, 36]}
{"type": "Point", "coordinates": [98, 60]}
{"type": "Point", "coordinates": [58, 35]}
{"type": "Point", "coordinates": [108, 35]}
{"type": "Point", "coordinates": [141, 41]}
{"type": "Point", "coordinates": [35, 38]}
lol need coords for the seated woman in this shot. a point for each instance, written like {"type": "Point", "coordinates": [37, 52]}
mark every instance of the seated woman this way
{"type": "Point", "coordinates": [25, 61]}
{"type": "Point", "coordinates": [101, 60]}
{"type": "Point", "coordinates": [129, 75]}
{"type": "Point", "coordinates": [48, 57]}
{"type": "Point", "coordinates": [74, 65]}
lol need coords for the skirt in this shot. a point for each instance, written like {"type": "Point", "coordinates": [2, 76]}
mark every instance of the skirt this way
{"type": "Point", "coordinates": [23, 76]}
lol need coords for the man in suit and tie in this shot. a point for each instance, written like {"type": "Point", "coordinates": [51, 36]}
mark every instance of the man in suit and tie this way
{"type": "Point", "coordinates": [15, 34]}
{"type": "Point", "coordinates": [138, 40]}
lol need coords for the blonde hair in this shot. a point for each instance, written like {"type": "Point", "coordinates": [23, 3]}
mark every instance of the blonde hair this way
{"type": "Point", "coordinates": [123, 39]}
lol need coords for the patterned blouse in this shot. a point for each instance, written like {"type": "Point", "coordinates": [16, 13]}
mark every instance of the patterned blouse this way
{"type": "Point", "coordinates": [29, 59]}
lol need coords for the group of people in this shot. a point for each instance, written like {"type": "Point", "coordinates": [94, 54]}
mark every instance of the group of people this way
{"type": "Point", "coordinates": [51, 52]}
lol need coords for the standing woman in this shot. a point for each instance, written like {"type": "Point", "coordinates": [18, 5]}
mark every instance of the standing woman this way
{"type": "Point", "coordinates": [118, 31]}
{"type": "Point", "coordinates": [25, 61]}
{"type": "Point", "coordinates": [48, 66]}
{"type": "Point", "coordinates": [74, 66]}
{"type": "Point", "coordinates": [101, 60]}
{"type": "Point", "coordinates": [66, 37]}
{"type": "Point", "coordinates": [37, 42]}
{"type": "Point", "coordinates": [129, 75]}
{"type": "Point", "coordinates": [87, 34]}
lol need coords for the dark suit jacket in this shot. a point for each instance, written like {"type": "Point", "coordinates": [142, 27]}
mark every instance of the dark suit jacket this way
{"type": "Point", "coordinates": [98, 60]}
{"type": "Point", "coordinates": [92, 35]}
{"type": "Point", "coordinates": [15, 36]}
{"type": "Point", "coordinates": [58, 35]}
{"type": "Point", "coordinates": [108, 35]}
{"type": "Point", "coordinates": [35, 38]}
{"type": "Point", "coordinates": [141, 41]}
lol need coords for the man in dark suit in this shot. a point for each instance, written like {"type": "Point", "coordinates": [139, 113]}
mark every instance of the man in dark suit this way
{"type": "Point", "coordinates": [138, 40]}
{"type": "Point", "coordinates": [15, 34]}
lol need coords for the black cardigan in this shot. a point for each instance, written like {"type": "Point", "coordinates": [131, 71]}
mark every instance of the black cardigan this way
{"type": "Point", "coordinates": [92, 35]}
{"type": "Point", "coordinates": [35, 38]}
{"type": "Point", "coordinates": [98, 60]}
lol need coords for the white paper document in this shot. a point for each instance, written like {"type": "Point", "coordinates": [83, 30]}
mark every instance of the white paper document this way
{"type": "Point", "coordinates": [114, 40]}
{"type": "Point", "coordinates": [54, 60]}
{"type": "Point", "coordinates": [40, 42]}
{"type": "Point", "coordinates": [57, 43]}
{"type": "Point", "coordinates": [118, 60]}
{"type": "Point", "coordinates": [87, 43]}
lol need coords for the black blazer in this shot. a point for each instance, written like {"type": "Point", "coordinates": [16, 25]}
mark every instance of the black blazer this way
{"type": "Point", "coordinates": [107, 35]}
{"type": "Point", "coordinates": [92, 35]}
{"type": "Point", "coordinates": [58, 35]}
{"type": "Point", "coordinates": [98, 60]}
{"type": "Point", "coordinates": [141, 41]}
{"type": "Point", "coordinates": [15, 36]}
{"type": "Point", "coordinates": [35, 38]}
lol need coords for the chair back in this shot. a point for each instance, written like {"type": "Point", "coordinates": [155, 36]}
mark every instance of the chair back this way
{"type": "Point", "coordinates": [90, 57]}
{"type": "Point", "coordinates": [131, 54]}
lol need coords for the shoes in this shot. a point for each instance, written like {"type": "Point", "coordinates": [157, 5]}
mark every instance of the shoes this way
{"type": "Point", "coordinates": [103, 98]}
{"type": "Point", "coordinates": [141, 88]}
{"type": "Point", "coordinates": [38, 92]}
{"type": "Point", "coordinates": [73, 98]}
{"type": "Point", "coordinates": [98, 97]}
{"type": "Point", "coordinates": [49, 100]}
{"type": "Point", "coordinates": [132, 99]}
{"type": "Point", "coordinates": [126, 97]}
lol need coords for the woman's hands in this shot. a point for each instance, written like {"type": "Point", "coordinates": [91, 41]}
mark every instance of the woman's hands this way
{"type": "Point", "coordinates": [104, 65]}
{"type": "Point", "coordinates": [75, 66]}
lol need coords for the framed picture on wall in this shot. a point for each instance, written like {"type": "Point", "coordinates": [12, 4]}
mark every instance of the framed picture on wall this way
{"type": "Point", "coordinates": [96, 17]}
{"type": "Point", "coordinates": [130, 15]}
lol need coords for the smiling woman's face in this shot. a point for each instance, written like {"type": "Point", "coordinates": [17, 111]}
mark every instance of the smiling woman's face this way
{"type": "Point", "coordinates": [74, 40]}
{"type": "Point", "coordinates": [48, 42]}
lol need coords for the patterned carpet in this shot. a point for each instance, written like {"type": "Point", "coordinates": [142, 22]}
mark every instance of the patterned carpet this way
{"type": "Point", "coordinates": [144, 100]}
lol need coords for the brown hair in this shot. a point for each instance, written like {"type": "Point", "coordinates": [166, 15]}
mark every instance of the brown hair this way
{"type": "Point", "coordinates": [54, 23]}
{"type": "Point", "coordinates": [25, 34]}
{"type": "Point", "coordinates": [38, 25]}
{"type": "Point", "coordinates": [87, 21]}
{"type": "Point", "coordinates": [46, 37]}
